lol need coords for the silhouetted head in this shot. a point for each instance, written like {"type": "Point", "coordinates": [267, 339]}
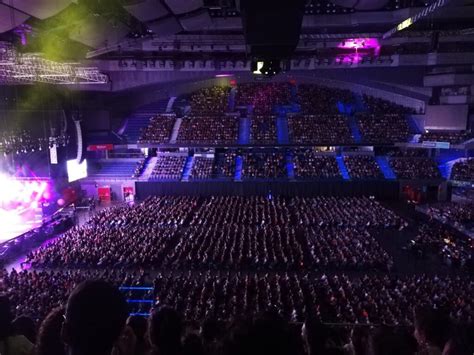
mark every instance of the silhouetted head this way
{"type": "Point", "coordinates": [165, 329]}
{"type": "Point", "coordinates": [95, 317]}
{"type": "Point", "coordinates": [49, 334]}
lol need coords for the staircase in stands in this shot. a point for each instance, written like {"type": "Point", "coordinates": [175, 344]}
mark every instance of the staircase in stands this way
{"type": "Point", "coordinates": [384, 165]}
{"type": "Point", "coordinates": [343, 168]}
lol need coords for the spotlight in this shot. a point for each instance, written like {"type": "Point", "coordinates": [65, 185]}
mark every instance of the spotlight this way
{"type": "Point", "coordinates": [267, 67]}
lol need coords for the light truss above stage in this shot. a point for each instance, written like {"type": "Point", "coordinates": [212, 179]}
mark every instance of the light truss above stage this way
{"type": "Point", "coordinates": [29, 68]}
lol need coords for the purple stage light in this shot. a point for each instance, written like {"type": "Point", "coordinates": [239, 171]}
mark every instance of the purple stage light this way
{"type": "Point", "coordinates": [20, 201]}
{"type": "Point", "coordinates": [362, 47]}
{"type": "Point", "coordinates": [223, 75]}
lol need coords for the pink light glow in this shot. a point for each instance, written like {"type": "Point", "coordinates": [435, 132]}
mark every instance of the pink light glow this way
{"type": "Point", "coordinates": [358, 43]}
{"type": "Point", "coordinates": [362, 47]}
{"type": "Point", "coordinates": [223, 75]}
{"type": "Point", "coordinates": [21, 194]}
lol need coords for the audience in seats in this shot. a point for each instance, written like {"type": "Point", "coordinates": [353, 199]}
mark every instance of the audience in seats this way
{"type": "Point", "coordinates": [383, 127]}
{"type": "Point", "coordinates": [268, 165]}
{"type": "Point", "coordinates": [123, 236]}
{"type": "Point", "coordinates": [263, 96]}
{"type": "Point", "coordinates": [463, 170]}
{"type": "Point", "coordinates": [408, 153]}
{"type": "Point", "coordinates": [210, 101]}
{"type": "Point", "coordinates": [208, 130]}
{"type": "Point", "coordinates": [435, 239]}
{"type": "Point", "coordinates": [382, 107]}
{"type": "Point", "coordinates": [263, 130]}
{"type": "Point", "coordinates": [321, 100]}
{"type": "Point", "coordinates": [226, 296]}
{"type": "Point", "coordinates": [319, 129]}
{"type": "Point", "coordinates": [362, 167]}
{"type": "Point", "coordinates": [168, 167]}
{"type": "Point", "coordinates": [228, 234]}
{"type": "Point", "coordinates": [202, 168]}
{"type": "Point", "coordinates": [224, 164]}
{"type": "Point", "coordinates": [309, 164]}
{"type": "Point", "coordinates": [456, 214]}
{"type": "Point", "coordinates": [242, 313]}
{"type": "Point", "coordinates": [140, 168]}
{"type": "Point", "coordinates": [415, 168]}
{"type": "Point", "coordinates": [250, 232]}
{"type": "Point", "coordinates": [453, 137]}
{"type": "Point", "coordinates": [158, 130]}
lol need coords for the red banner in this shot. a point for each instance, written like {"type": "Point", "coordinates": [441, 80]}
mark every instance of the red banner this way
{"type": "Point", "coordinates": [95, 147]}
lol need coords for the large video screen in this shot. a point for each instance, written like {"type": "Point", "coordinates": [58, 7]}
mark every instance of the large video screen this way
{"type": "Point", "coordinates": [76, 171]}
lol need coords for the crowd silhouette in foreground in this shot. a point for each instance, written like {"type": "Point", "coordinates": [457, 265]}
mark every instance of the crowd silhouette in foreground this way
{"type": "Point", "coordinates": [94, 320]}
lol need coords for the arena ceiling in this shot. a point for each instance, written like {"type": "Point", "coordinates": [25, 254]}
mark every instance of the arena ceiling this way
{"type": "Point", "coordinates": [70, 29]}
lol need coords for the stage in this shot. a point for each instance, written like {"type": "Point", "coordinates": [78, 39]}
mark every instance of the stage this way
{"type": "Point", "coordinates": [14, 223]}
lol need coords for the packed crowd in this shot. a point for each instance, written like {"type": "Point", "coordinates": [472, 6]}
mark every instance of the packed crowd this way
{"type": "Point", "coordinates": [193, 312]}
{"type": "Point", "coordinates": [208, 130]}
{"type": "Point", "coordinates": [258, 234]}
{"type": "Point", "coordinates": [139, 168]}
{"type": "Point", "coordinates": [383, 127]}
{"type": "Point", "coordinates": [158, 130]}
{"type": "Point", "coordinates": [263, 129]}
{"type": "Point", "coordinates": [319, 129]}
{"type": "Point", "coordinates": [228, 232]}
{"type": "Point", "coordinates": [123, 236]}
{"type": "Point", "coordinates": [309, 164]}
{"type": "Point", "coordinates": [407, 153]}
{"type": "Point", "coordinates": [415, 168]}
{"type": "Point", "coordinates": [202, 168]}
{"type": "Point", "coordinates": [263, 96]}
{"type": "Point", "coordinates": [265, 165]}
{"type": "Point", "coordinates": [463, 170]}
{"type": "Point", "coordinates": [224, 164]}
{"type": "Point", "coordinates": [435, 239]}
{"type": "Point", "coordinates": [381, 107]}
{"type": "Point", "coordinates": [210, 101]}
{"type": "Point", "coordinates": [168, 167]}
{"type": "Point", "coordinates": [456, 214]}
{"type": "Point", "coordinates": [338, 298]}
{"type": "Point", "coordinates": [453, 137]}
{"type": "Point", "coordinates": [362, 167]}
{"type": "Point", "coordinates": [321, 100]}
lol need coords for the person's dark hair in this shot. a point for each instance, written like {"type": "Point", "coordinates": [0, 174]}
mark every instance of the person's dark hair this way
{"type": "Point", "coordinates": [210, 330]}
{"type": "Point", "coordinates": [461, 341]}
{"type": "Point", "coordinates": [270, 335]}
{"type": "Point", "coordinates": [237, 340]}
{"type": "Point", "coordinates": [139, 326]}
{"type": "Point", "coordinates": [96, 313]}
{"type": "Point", "coordinates": [192, 345]}
{"type": "Point", "coordinates": [434, 325]}
{"type": "Point", "coordinates": [360, 340]}
{"type": "Point", "coordinates": [316, 336]}
{"type": "Point", "coordinates": [25, 326]}
{"type": "Point", "coordinates": [391, 341]}
{"type": "Point", "coordinates": [49, 334]}
{"type": "Point", "coordinates": [6, 317]}
{"type": "Point", "coordinates": [165, 329]}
